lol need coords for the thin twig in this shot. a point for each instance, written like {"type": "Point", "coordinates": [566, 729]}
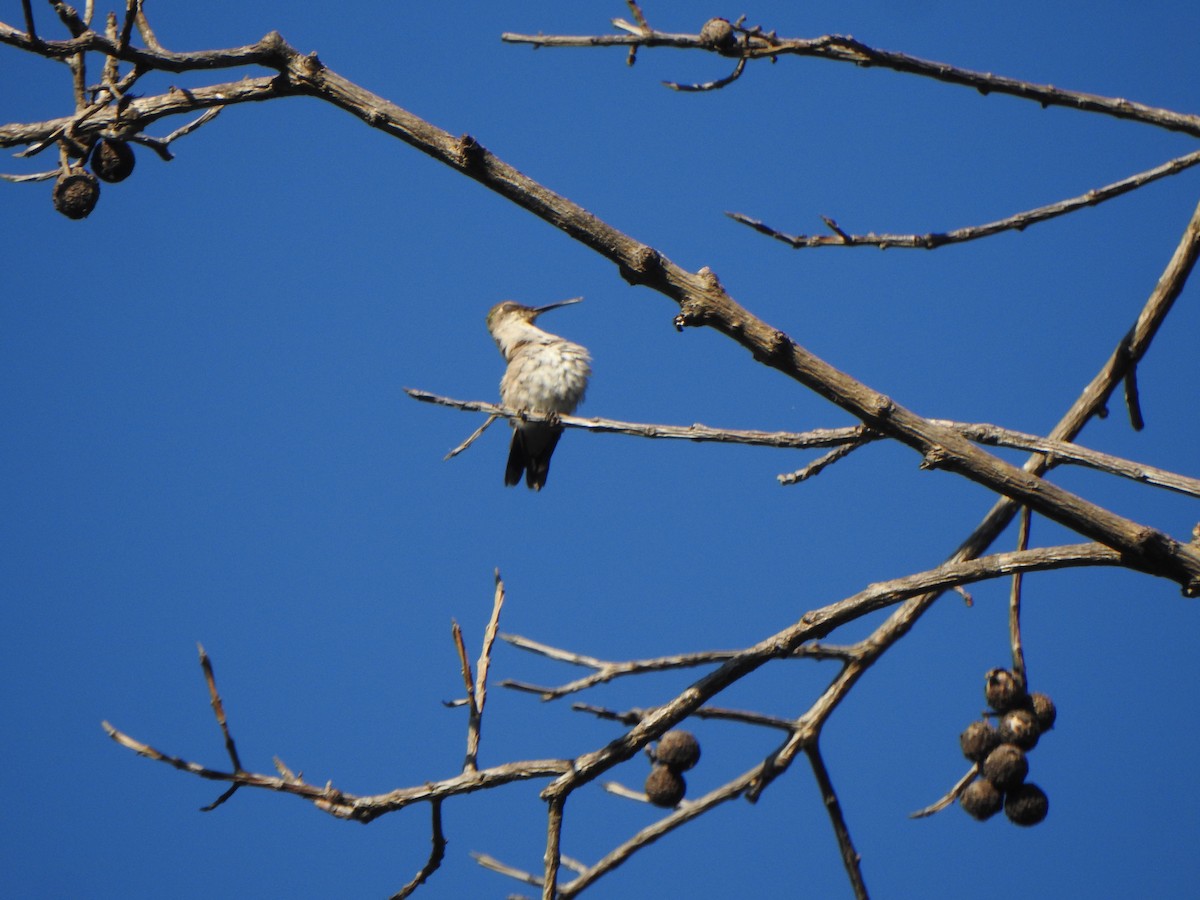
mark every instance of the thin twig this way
{"type": "Point", "coordinates": [218, 708]}
{"type": "Point", "coordinates": [820, 464]}
{"type": "Point", "coordinates": [710, 85]}
{"type": "Point", "coordinates": [436, 854]}
{"type": "Point", "coordinates": [29, 27]}
{"type": "Point", "coordinates": [472, 439]}
{"type": "Point", "coordinates": [850, 858]}
{"type": "Point", "coordinates": [1014, 606]}
{"type": "Point", "coordinates": [949, 797]}
{"type": "Point", "coordinates": [490, 862]}
{"type": "Point", "coordinates": [1017, 222]}
{"type": "Point", "coordinates": [473, 718]}
{"type": "Point", "coordinates": [745, 717]}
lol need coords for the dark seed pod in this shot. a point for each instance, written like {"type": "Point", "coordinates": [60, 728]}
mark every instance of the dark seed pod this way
{"type": "Point", "coordinates": [1006, 767]}
{"type": "Point", "coordinates": [112, 160]}
{"type": "Point", "coordinates": [719, 33]}
{"type": "Point", "coordinates": [1018, 726]}
{"type": "Point", "coordinates": [678, 749]}
{"type": "Point", "coordinates": [665, 786]}
{"type": "Point", "coordinates": [981, 799]}
{"type": "Point", "coordinates": [1026, 805]}
{"type": "Point", "coordinates": [1002, 691]}
{"type": "Point", "coordinates": [1043, 711]}
{"type": "Point", "coordinates": [978, 740]}
{"type": "Point", "coordinates": [76, 193]}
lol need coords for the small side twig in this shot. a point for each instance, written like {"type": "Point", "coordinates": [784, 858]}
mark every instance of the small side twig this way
{"type": "Point", "coordinates": [710, 85]}
{"type": "Point", "coordinates": [436, 855]}
{"type": "Point", "coordinates": [29, 27]}
{"type": "Point", "coordinates": [473, 717]}
{"type": "Point", "coordinates": [633, 716]}
{"type": "Point", "coordinates": [820, 464]}
{"type": "Point", "coordinates": [472, 439]}
{"type": "Point", "coordinates": [219, 708]}
{"type": "Point", "coordinates": [1014, 605]}
{"type": "Point", "coordinates": [490, 862]}
{"type": "Point", "coordinates": [950, 796]}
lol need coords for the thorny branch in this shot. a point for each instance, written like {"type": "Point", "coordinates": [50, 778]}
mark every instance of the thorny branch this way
{"type": "Point", "coordinates": [702, 301]}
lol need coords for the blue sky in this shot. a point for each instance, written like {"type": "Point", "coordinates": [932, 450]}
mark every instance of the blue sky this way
{"type": "Point", "coordinates": [205, 439]}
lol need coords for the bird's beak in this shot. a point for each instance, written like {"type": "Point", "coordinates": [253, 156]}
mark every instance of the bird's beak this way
{"type": "Point", "coordinates": [541, 309]}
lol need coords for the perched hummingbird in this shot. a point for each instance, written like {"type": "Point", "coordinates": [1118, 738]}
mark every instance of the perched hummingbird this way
{"type": "Point", "coordinates": [545, 373]}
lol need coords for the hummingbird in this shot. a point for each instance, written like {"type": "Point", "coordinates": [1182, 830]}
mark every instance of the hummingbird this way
{"type": "Point", "coordinates": [545, 374]}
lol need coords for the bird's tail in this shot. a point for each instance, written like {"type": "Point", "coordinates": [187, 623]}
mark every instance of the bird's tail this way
{"type": "Point", "coordinates": [530, 457]}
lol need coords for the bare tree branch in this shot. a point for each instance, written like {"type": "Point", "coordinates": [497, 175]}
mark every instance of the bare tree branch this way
{"type": "Point", "coordinates": [756, 44]}
{"type": "Point", "coordinates": [1018, 222]}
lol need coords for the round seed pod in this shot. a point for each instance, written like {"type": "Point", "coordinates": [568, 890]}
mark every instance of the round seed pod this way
{"type": "Point", "coordinates": [678, 749]}
{"type": "Point", "coordinates": [1043, 711]}
{"type": "Point", "coordinates": [1018, 726]}
{"type": "Point", "coordinates": [1026, 805]}
{"type": "Point", "coordinates": [981, 799]}
{"type": "Point", "coordinates": [76, 193]}
{"type": "Point", "coordinates": [112, 160]}
{"type": "Point", "coordinates": [978, 740]}
{"type": "Point", "coordinates": [1001, 690]}
{"type": "Point", "coordinates": [1006, 767]}
{"type": "Point", "coordinates": [719, 33]}
{"type": "Point", "coordinates": [665, 786]}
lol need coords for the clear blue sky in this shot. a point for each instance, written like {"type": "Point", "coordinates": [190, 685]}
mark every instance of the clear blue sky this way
{"type": "Point", "coordinates": [205, 439]}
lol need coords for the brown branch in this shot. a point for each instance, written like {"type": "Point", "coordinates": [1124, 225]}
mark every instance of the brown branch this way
{"type": "Point", "coordinates": [358, 808]}
{"type": "Point", "coordinates": [819, 465]}
{"type": "Point", "coordinates": [818, 437]}
{"type": "Point", "coordinates": [756, 44]}
{"type": "Point", "coordinates": [473, 711]}
{"type": "Point", "coordinates": [745, 717]}
{"type": "Point", "coordinates": [850, 858]}
{"type": "Point", "coordinates": [949, 797]}
{"type": "Point", "coordinates": [981, 433]}
{"type": "Point", "coordinates": [1018, 222]}
{"type": "Point", "coordinates": [1014, 606]}
{"type": "Point", "coordinates": [704, 302]}
{"type": "Point", "coordinates": [604, 671]}
{"type": "Point", "coordinates": [710, 85]}
{"type": "Point", "coordinates": [218, 708]}
{"type": "Point", "coordinates": [1129, 351]}
{"type": "Point", "coordinates": [29, 27]}
{"type": "Point", "coordinates": [436, 854]}
{"type": "Point", "coordinates": [554, 824]}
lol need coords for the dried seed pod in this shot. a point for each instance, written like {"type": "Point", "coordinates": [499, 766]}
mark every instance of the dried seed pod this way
{"type": "Point", "coordinates": [1018, 726]}
{"type": "Point", "coordinates": [112, 160]}
{"type": "Point", "coordinates": [1026, 805]}
{"type": "Point", "coordinates": [1002, 691]}
{"type": "Point", "coordinates": [665, 786]}
{"type": "Point", "coordinates": [678, 749]}
{"type": "Point", "coordinates": [1043, 711]}
{"type": "Point", "coordinates": [978, 740]}
{"type": "Point", "coordinates": [1006, 767]}
{"type": "Point", "coordinates": [981, 799]}
{"type": "Point", "coordinates": [76, 193]}
{"type": "Point", "coordinates": [719, 33]}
